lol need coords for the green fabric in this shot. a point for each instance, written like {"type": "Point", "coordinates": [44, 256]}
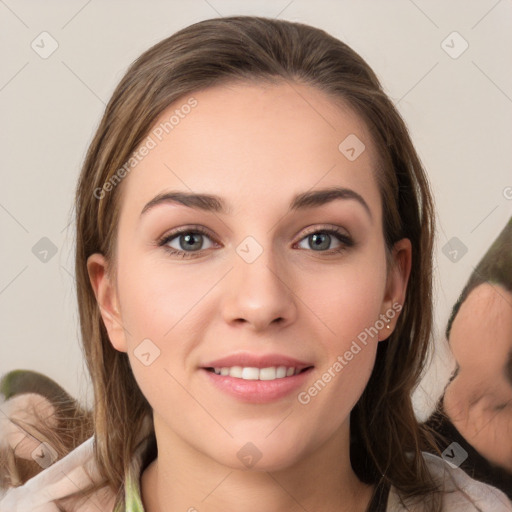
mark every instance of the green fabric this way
{"type": "Point", "coordinates": [17, 382]}
{"type": "Point", "coordinates": [131, 501]}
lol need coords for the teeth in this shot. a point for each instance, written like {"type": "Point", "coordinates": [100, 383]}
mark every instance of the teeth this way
{"type": "Point", "coordinates": [267, 373]}
{"type": "Point", "coordinates": [250, 373]}
{"type": "Point", "coordinates": [281, 372]}
{"type": "Point", "coordinates": [235, 371]}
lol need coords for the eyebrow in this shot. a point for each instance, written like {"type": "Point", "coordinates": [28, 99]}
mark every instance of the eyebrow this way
{"type": "Point", "coordinates": [214, 203]}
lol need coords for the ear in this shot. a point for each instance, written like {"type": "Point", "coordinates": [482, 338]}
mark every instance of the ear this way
{"type": "Point", "coordinates": [106, 296]}
{"type": "Point", "coordinates": [396, 286]}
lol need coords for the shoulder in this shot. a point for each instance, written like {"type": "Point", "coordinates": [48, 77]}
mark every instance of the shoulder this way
{"type": "Point", "coordinates": [461, 493]}
{"type": "Point", "coordinates": [55, 483]}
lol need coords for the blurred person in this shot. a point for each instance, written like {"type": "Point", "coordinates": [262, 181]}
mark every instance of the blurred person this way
{"type": "Point", "coordinates": [476, 408]}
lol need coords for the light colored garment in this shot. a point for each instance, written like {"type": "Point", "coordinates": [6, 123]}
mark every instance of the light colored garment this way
{"type": "Point", "coordinates": [61, 478]}
{"type": "Point", "coordinates": [57, 481]}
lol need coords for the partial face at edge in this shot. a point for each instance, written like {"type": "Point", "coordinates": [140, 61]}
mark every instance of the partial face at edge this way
{"type": "Point", "coordinates": [262, 279]}
{"type": "Point", "coordinates": [481, 332]}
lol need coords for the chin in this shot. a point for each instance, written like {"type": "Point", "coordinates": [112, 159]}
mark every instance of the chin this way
{"type": "Point", "coordinates": [261, 454]}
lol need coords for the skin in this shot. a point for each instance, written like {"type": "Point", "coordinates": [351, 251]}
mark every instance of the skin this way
{"type": "Point", "coordinates": [479, 400]}
{"type": "Point", "coordinates": [256, 146]}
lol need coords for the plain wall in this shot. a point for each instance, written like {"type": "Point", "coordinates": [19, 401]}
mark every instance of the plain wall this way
{"type": "Point", "coordinates": [458, 111]}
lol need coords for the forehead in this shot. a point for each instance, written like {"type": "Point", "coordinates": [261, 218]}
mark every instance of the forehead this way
{"type": "Point", "coordinates": [488, 308]}
{"type": "Point", "coordinates": [255, 141]}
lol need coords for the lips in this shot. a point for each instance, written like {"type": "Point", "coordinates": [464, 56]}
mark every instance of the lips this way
{"type": "Point", "coordinates": [246, 360]}
{"type": "Point", "coordinates": [257, 378]}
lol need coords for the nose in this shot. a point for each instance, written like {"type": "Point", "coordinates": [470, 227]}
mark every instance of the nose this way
{"type": "Point", "coordinates": [259, 294]}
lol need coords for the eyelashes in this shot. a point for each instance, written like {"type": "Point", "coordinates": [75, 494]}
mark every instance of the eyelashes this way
{"type": "Point", "coordinates": [322, 234]}
{"type": "Point", "coordinates": [179, 232]}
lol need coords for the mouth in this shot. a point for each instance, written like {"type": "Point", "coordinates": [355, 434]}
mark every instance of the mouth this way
{"type": "Point", "coordinates": [269, 373]}
{"type": "Point", "coordinates": [256, 380]}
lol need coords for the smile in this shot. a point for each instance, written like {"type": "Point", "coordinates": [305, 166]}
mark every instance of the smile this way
{"type": "Point", "coordinates": [251, 373]}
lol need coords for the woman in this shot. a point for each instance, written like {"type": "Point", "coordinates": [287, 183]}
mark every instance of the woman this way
{"type": "Point", "coordinates": [254, 244]}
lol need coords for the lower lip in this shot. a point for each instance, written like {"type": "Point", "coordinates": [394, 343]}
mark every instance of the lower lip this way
{"type": "Point", "coordinates": [257, 391]}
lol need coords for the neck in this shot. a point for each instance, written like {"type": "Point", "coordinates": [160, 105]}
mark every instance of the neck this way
{"type": "Point", "coordinates": [183, 479]}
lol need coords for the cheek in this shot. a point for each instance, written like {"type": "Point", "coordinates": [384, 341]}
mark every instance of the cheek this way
{"type": "Point", "coordinates": [156, 297]}
{"type": "Point", "coordinates": [349, 306]}
{"type": "Point", "coordinates": [351, 325]}
{"type": "Point", "coordinates": [348, 300]}
{"type": "Point", "coordinates": [351, 309]}
{"type": "Point", "coordinates": [163, 312]}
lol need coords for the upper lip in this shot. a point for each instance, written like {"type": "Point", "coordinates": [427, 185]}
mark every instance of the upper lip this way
{"type": "Point", "coordinates": [247, 360]}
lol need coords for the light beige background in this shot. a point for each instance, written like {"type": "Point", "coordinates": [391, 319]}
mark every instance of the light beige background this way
{"type": "Point", "coordinates": [458, 111]}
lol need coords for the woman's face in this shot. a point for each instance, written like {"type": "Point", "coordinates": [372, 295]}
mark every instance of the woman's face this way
{"type": "Point", "coordinates": [263, 283]}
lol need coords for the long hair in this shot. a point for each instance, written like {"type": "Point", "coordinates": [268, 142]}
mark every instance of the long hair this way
{"type": "Point", "coordinates": [386, 439]}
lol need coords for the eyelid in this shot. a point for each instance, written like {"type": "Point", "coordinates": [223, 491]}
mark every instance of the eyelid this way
{"type": "Point", "coordinates": [323, 227]}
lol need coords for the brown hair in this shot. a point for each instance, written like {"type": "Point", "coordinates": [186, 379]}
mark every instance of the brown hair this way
{"type": "Point", "coordinates": [386, 439]}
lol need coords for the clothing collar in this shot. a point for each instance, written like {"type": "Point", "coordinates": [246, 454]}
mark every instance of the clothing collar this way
{"type": "Point", "coordinates": [131, 499]}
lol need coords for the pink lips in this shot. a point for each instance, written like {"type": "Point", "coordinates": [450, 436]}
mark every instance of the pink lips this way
{"type": "Point", "coordinates": [257, 391]}
{"type": "Point", "coordinates": [257, 361]}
